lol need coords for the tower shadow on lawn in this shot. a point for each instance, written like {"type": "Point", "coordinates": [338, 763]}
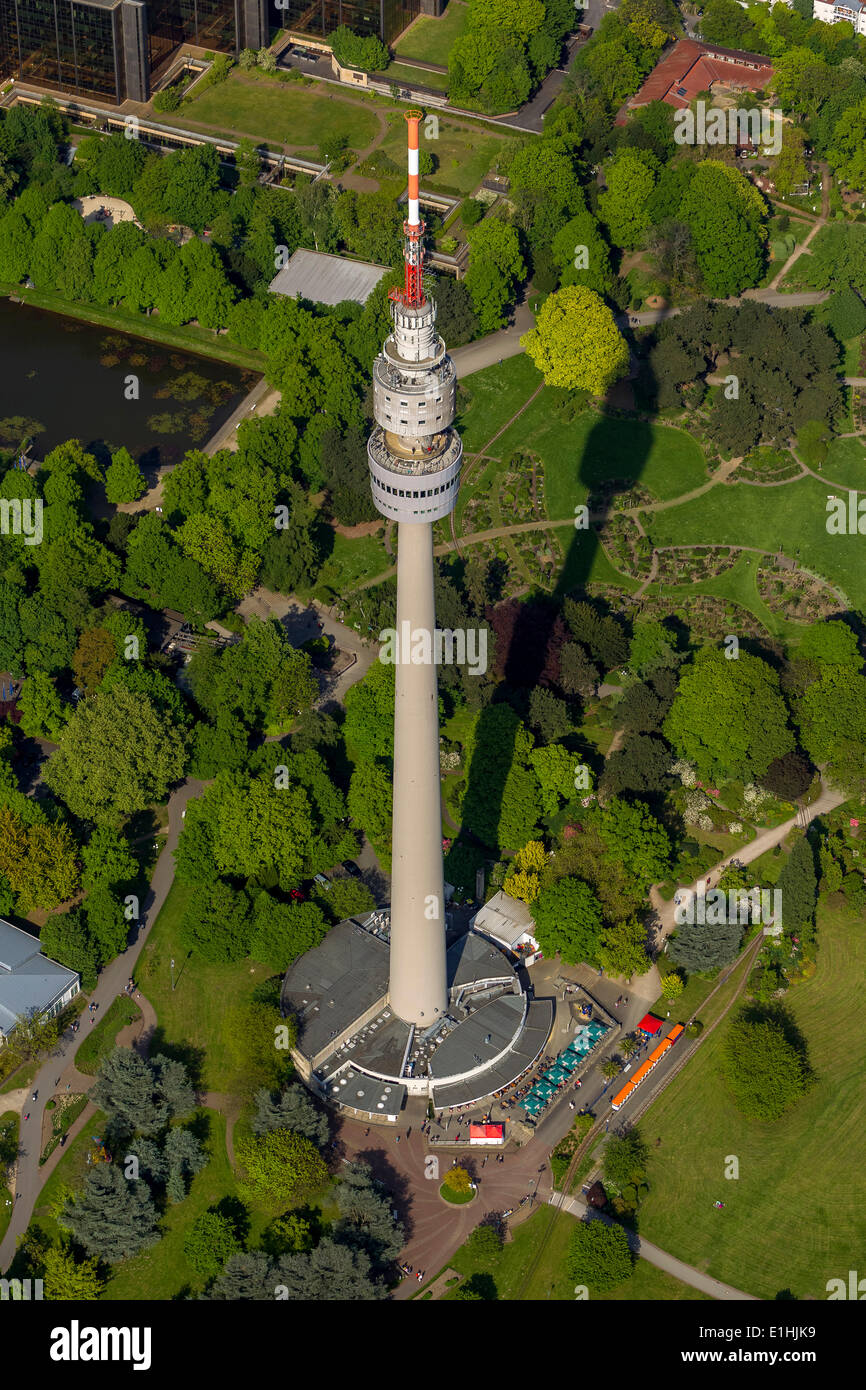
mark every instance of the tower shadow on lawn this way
{"type": "Point", "coordinates": [527, 651]}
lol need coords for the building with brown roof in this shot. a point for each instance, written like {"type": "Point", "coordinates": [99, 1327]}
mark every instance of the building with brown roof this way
{"type": "Point", "coordinates": [692, 66]}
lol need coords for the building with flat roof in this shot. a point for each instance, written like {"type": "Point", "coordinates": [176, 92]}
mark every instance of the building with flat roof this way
{"type": "Point", "coordinates": [30, 983]}
{"type": "Point", "coordinates": [327, 279]}
{"type": "Point", "coordinates": [117, 50]}
{"type": "Point", "coordinates": [508, 922]}
{"type": "Point", "coordinates": [354, 1051]}
{"type": "Point", "coordinates": [384, 18]}
{"type": "Point", "coordinates": [841, 12]}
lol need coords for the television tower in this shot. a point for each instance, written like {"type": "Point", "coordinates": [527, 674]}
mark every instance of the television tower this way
{"type": "Point", "coordinates": [415, 455]}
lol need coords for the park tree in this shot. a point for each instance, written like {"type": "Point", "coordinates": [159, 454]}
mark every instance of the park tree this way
{"type": "Point", "coordinates": [39, 861]}
{"type": "Point", "coordinates": [246, 1276]}
{"type": "Point", "coordinates": [764, 1062]}
{"type": "Point", "coordinates": [599, 1256]}
{"type": "Point", "coordinates": [727, 219]}
{"type": "Point", "coordinates": [365, 53]}
{"type": "Point", "coordinates": [652, 645]}
{"type": "Point", "coordinates": [142, 1095]}
{"type": "Point", "coordinates": [672, 985]}
{"type": "Point", "coordinates": [116, 756]}
{"type": "Point", "coordinates": [369, 802]}
{"type": "Point", "coordinates": [67, 1279]}
{"type": "Point", "coordinates": [789, 777]}
{"type": "Point", "coordinates": [576, 343]}
{"type": "Point", "coordinates": [291, 1108]}
{"type": "Point", "coordinates": [281, 1166]}
{"type": "Point", "coordinates": [578, 675]}
{"type": "Point", "coordinates": [623, 948]}
{"type": "Point", "coordinates": [568, 920]}
{"type": "Point", "coordinates": [641, 764]}
{"type": "Point", "coordinates": [43, 713]}
{"type": "Point", "coordinates": [366, 1220]}
{"type": "Point", "coordinates": [111, 1217]}
{"type": "Point", "coordinates": [94, 654]}
{"type": "Point", "coordinates": [65, 938]}
{"type": "Point", "coordinates": [630, 179]}
{"type": "Point", "coordinates": [331, 1272]}
{"type": "Point", "coordinates": [283, 931]}
{"type": "Point", "coordinates": [524, 881]}
{"type": "Point", "coordinates": [582, 254]}
{"type": "Point", "coordinates": [124, 481]}
{"type": "Point", "coordinates": [637, 840]}
{"type": "Point", "coordinates": [496, 268]}
{"type": "Point", "coordinates": [348, 897]}
{"type": "Point", "coordinates": [554, 767]}
{"type": "Point", "coordinates": [798, 887]}
{"type": "Point", "coordinates": [216, 923]}
{"type": "Point", "coordinates": [210, 1242]}
{"type": "Point", "coordinates": [705, 947]}
{"type": "Point", "coordinates": [713, 722]}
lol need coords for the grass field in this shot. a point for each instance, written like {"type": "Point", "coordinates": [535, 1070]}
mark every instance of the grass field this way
{"type": "Point", "coordinates": [430, 39]}
{"type": "Point", "coordinates": [284, 113]}
{"type": "Point", "coordinates": [100, 1040]}
{"type": "Point", "coordinates": [549, 1281]}
{"type": "Point", "coordinates": [350, 563]}
{"type": "Point", "coordinates": [795, 1217]}
{"type": "Point", "coordinates": [793, 516]}
{"type": "Point", "coordinates": [495, 394]}
{"type": "Point", "coordinates": [67, 1177]}
{"type": "Point", "coordinates": [578, 456]}
{"type": "Point", "coordinates": [846, 464]}
{"type": "Point", "coordinates": [191, 1015]}
{"type": "Point", "coordinates": [405, 73]}
{"type": "Point", "coordinates": [464, 153]}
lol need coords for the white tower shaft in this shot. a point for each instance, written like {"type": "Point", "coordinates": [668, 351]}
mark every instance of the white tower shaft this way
{"type": "Point", "coordinates": [418, 984]}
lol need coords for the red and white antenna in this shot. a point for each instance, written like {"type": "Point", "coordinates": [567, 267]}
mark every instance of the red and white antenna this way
{"type": "Point", "coordinates": [413, 228]}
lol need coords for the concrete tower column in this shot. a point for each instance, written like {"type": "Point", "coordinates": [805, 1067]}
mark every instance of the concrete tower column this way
{"type": "Point", "coordinates": [418, 984]}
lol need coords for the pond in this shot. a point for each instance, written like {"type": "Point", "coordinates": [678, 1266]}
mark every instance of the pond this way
{"type": "Point", "coordinates": [61, 378]}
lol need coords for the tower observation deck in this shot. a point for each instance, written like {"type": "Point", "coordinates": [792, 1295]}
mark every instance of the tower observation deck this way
{"type": "Point", "coordinates": [415, 455]}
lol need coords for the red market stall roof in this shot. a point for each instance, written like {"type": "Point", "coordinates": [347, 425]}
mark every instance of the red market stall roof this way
{"type": "Point", "coordinates": [486, 1132]}
{"type": "Point", "coordinates": [650, 1024]}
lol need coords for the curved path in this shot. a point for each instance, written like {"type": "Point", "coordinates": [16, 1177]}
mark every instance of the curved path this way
{"type": "Point", "coordinates": [59, 1068]}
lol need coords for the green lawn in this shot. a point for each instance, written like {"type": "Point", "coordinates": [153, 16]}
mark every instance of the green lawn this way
{"type": "Point", "coordinates": [464, 153]}
{"type": "Point", "coordinates": [191, 1016]}
{"type": "Point", "coordinates": [406, 74]}
{"type": "Point", "coordinates": [845, 465]}
{"type": "Point", "coordinates": [430, 39]}
{"type": "Point", "coordinates": [351, 562]}
{"type": "Point", "coordinates": [284, 113]}
{"type": "Point", "coordinates": [495, 394]}
{"type": "Point", "coordinates": [549, 1280]}
{"type": "Point", "coordinates": [68, 1176]}
{"type": "Point", "coordinates": [793, 516]}
{"type": "Point", "coordinates": [796, 1216]}
{"type": "Point", "coordinates": [579, 456]}
{"type": "Point", "coordinates": [100, 1040]}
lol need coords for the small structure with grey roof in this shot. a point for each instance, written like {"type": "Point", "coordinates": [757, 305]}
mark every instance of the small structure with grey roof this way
{"type": "Point", "coordinates": [508, 922]}
{"type": "Point", "coordinates": [31, 984]}
{"type": "Point", "coordinates": [327, 279]}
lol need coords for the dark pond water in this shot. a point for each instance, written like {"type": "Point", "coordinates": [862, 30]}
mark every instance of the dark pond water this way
{"type": "Point", "coordinates": [63, 379]}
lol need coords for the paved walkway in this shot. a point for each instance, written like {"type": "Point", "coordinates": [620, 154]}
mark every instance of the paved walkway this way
{"type": "Point", "coordinates": [767, 839]}
{"type": "Point", "coordinates": [112, 982]}
{"type": "Point", "coordinates": [687, 1274]}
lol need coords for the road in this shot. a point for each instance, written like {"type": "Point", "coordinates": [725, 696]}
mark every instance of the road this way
{"type": "Point", "coordinates": [486, 352]}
